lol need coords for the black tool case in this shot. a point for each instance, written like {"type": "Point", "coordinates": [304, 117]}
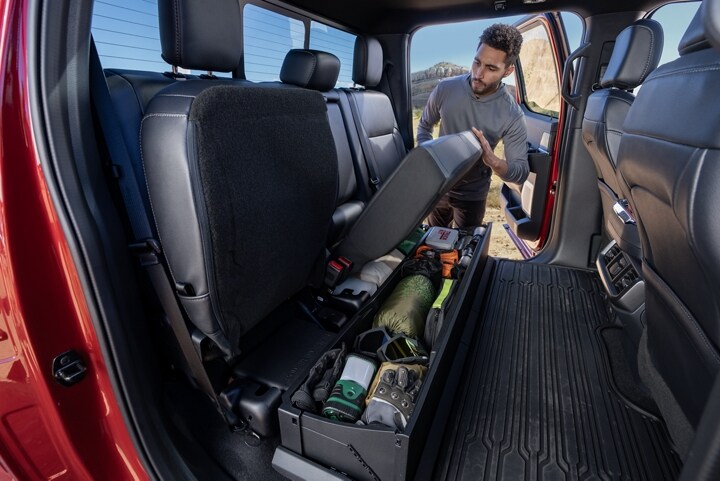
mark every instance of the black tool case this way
{"type": "Point", "coordinates": [314, 447]}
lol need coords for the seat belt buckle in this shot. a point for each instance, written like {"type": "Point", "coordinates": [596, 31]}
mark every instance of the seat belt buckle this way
{"type": "Point", "coordinates": [375, 182]}
{"type": "Point", "coordinates": [337, 271]}
{"type": "Point", "coordinates": [146, 251]}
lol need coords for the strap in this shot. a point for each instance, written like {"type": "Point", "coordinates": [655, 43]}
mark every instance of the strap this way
{"type": "Point", "coordinates": [147, 249]}
{"type": "Point", "coordinates": [122, 165]}
{"type": "Point", "coordinates": [375, 181]}
{"type": "Point", "coordinates": [169, 303]}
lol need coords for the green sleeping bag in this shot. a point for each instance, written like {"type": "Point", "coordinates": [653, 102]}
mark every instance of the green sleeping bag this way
{"type": "Point", "coordinates": [405, 310]}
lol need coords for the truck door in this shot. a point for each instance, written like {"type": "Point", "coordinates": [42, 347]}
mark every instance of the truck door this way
{"type": "Point", "coordinates": [528, 207]}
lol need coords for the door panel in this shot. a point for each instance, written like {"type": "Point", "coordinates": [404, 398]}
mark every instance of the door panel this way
{"type": "Point", "coordinates": [538, 90]}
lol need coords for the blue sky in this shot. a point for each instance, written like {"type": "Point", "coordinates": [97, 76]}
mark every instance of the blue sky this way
{"type": "Point", "coordinates": [457, 42]}
{"type": "Point", "coordinates": [126, 34]}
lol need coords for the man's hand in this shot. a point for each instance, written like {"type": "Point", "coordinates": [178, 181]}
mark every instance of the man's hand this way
{"type": "Point", "coordinates": [498, 165]}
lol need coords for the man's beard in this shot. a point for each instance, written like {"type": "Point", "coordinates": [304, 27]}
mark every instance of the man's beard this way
{"type": "Point", "coordinates": [484, 89]}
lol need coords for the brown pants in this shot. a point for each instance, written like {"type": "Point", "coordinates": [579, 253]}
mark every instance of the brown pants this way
{"type": "Point", "coordinates": [465, 213]}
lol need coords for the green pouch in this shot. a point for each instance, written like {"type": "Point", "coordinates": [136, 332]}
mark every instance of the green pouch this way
{"type": "Point", "coordinates": [405, 310]}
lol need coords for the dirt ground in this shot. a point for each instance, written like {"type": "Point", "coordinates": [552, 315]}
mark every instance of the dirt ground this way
{"type": "Point", "coordinates": [500, 243]}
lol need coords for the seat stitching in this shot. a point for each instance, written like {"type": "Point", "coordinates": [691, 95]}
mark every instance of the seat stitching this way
{"type": "Point", "coordinates": [176, 95]}
{"type": "Point", "coordinates": [147, 186]}
{"type": "Point", "coordinates": [314, 58]}
{"type": "Point", "coordinates": [158, 115]}
{"type": "Point", "coordinates": [652, 48]}
{"type": "Point", "coordinates": [683, 71]}
{"type": "Point", "coordinates": [178, 37]}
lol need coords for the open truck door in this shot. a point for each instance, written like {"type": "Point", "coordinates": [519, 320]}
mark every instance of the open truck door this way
{"type": "Point", "coordinates": [528, 207]}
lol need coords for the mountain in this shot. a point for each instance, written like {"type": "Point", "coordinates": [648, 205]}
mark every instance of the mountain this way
{"type": "Point", "coordinates": [424, 81]}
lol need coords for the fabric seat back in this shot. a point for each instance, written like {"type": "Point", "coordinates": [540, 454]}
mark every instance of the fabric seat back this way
{"type": "Point", "coordinates": [242, 180]}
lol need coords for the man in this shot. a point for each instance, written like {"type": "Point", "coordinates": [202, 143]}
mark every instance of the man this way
{"type": "Point", "coordinates": [481, 102]}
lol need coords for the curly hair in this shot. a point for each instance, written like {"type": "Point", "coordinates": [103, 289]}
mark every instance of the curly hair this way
{"type": "Point", "coordinates": [503, 37]}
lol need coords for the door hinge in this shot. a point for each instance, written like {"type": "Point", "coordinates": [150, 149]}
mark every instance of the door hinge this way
{"type": "Point", "coordinates": [69, 368]}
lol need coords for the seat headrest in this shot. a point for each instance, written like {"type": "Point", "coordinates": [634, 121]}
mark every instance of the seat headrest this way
{"type": "Point", "coordinates": [711, 21]}
{"type": "Point", "coordinates": [195, 35]}
{"type": "Point", "coordinates": [310, 69]}
{"type": "Point", "coordinates": [702, 32]}
{"type": "Point", "coordinates": [368, 61]}
{"type": "Point", "coordinates": [694, 37]}
{"type": "Point", "coordinates": [636, 53]}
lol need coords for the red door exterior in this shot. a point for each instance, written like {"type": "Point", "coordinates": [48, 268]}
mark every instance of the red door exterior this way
{"type": "Point", "coordinates": [47, 431]}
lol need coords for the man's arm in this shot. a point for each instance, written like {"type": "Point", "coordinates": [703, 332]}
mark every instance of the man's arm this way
{"type": "Point", "coordinates": [430, 117]}
{"type": "Point", "coordinates": [514, 168]}
{"type": "Point", "coordinates": [516, 148]}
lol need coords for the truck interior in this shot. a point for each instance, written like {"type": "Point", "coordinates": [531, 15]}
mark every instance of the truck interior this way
{"type": "Point", "coordinates": [238, 240]}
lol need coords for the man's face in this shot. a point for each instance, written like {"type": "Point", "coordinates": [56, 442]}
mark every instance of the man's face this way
{"type": "Point", "coordinates": [488, 70]}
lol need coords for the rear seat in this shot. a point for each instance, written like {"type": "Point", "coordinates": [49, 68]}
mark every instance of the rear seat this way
{"type": "Point", "coordinates": [316, 70]}
{"type": "Point", "coordinates": [368, 142]}
{"type": "Point", "coordinates": [130, 92]}
{"type": "Point", "coordinates": [373, 114]}
{"type": "Point", "coordinates": [244, 181]}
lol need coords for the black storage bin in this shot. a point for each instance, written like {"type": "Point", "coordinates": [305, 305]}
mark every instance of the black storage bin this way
{"type": "Point", "coordinates": [311, 443]}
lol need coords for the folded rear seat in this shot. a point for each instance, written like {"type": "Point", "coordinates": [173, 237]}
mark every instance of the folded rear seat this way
{"type": "Point", "coordinates": [411, 186]}
{"type": "Point", "coordinates": [407, 197]}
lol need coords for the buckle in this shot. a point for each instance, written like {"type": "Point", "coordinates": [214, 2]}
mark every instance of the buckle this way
{"type": "Point", "coordinates": [375, 182]}
{"type": "Point", "coordinates": [146, 251]}
{"type": "Point", "coordinates": [337, 270]}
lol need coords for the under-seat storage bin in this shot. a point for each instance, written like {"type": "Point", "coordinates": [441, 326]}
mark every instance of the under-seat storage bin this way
{"type": "Point", "coordinates": [371, 452]}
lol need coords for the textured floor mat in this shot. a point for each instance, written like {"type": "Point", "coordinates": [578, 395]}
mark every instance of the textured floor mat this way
{"type": "Point", "coordinates": [537, 402]}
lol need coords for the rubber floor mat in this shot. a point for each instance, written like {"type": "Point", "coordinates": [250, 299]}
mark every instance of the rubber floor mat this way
{"type": "Point", "coordinates": [536, 403]}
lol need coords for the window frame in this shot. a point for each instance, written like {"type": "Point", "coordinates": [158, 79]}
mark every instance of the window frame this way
{"type": "Point", "coordinates": [305, 20]}
{"type": "Point", "coordinates": [536, 22]}
{"type": "Point", "coordinates": [287, 11]}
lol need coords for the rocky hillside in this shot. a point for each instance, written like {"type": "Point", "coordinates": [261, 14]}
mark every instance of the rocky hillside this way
{"type": "Point", "coordinates": [540, 77]}
{"type": "Point", "coordinates": [425, 80]}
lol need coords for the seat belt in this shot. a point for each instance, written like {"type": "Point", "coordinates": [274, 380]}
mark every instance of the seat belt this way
{"type": "Point", "coordinates": [145, 247]}
{"type": "Point", "coordinates": [375, 181]}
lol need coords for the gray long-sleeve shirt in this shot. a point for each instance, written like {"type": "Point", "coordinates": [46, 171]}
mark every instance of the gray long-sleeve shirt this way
{"type": "Point", "coordinates": [497, 115]}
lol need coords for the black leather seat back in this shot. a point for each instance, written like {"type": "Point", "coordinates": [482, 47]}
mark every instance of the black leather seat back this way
{"type": "Point", "coordinates": [636, 53]}
{"type": "Point", "coordinates": [241, 179]}
{"type": "Point", "coordinates": [427, 173]}
{"type": "Point", "coordinates": [669, 161]}
{"type": "Point", "coordinates": [130, 92]}
{"type": "Point", "coordinates": [317, 70]}
{"type": "Point", "coordinates": [372, 111]}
